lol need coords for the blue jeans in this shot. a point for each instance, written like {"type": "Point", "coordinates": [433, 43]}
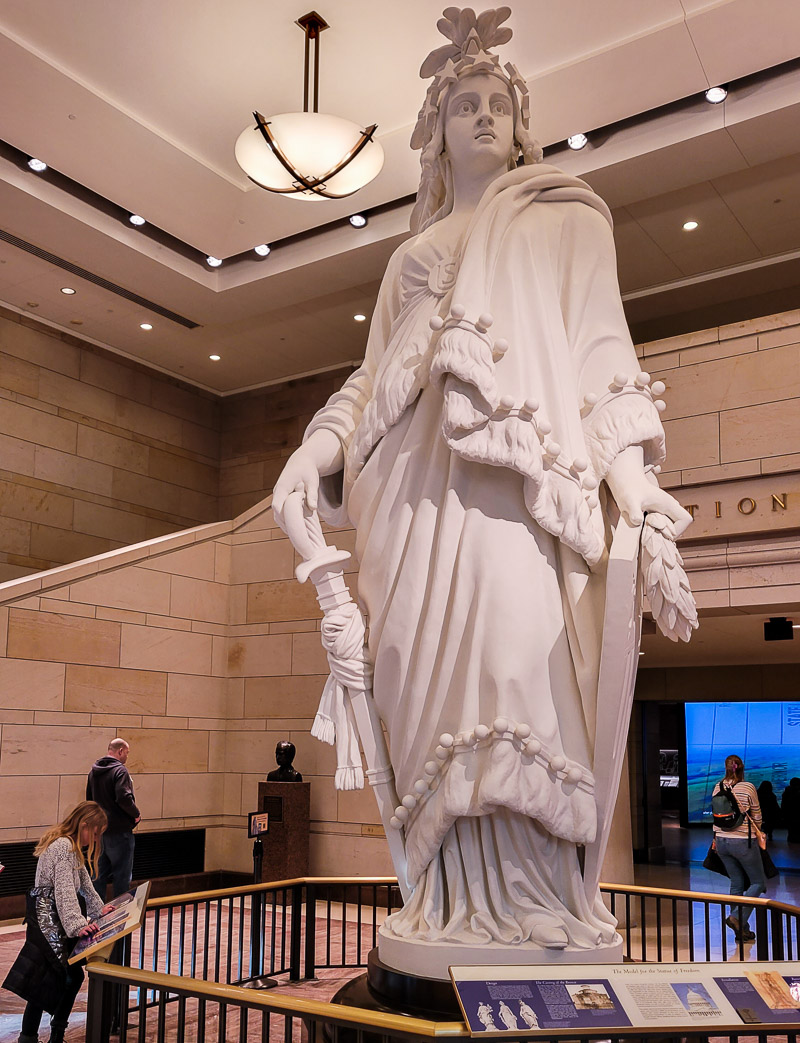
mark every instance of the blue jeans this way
{"type": "Point", "coordinates": [742, 859]}
{"type": "Point", "coordinates": [115, 863]}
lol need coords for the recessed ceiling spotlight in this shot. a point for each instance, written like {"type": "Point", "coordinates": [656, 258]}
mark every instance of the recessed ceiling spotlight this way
{"type": "Point", "coordinates": [213, 262]}
{"type": "Point", "coordinates": [689, 226]}
{"type": "Point", "coordinates": [716, 94]}
{"type": "Point", "coordinates": [262, 250]}
{"type": "Point", "coordinates": [68, 290]}
{"type": "Point", "coordinates": [137, 219]}
{"type": "Point", "coordinates": [577, 141]}
{"type": "Point", "coordinates": [215, 358]}
{"type": "Point", "coordinates": [37, 165]}
{"type": "Point", "coordinates": [360, 317]}
{"type": "Point", "coordinates": [358, 220]}
{"type": "Point", "coordinates": [145, 325]}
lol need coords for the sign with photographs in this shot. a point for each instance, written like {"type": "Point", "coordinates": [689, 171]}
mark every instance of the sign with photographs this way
{"type": "Point", "coordinates": [126, 916]}
{"type": "Point", "coordinates": [624, 998]}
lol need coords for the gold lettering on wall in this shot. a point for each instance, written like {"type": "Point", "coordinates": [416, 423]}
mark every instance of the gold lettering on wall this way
{"type": "Point", "coordinates": [749, 505]}
{"type": "Point", "coordinates": [779, 501]}
{"type": "Point", "coordinates": [740, 506]}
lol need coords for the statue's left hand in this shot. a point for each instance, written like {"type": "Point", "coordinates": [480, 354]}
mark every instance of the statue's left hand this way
{"type": "Point", "coordinates": [636, 494]}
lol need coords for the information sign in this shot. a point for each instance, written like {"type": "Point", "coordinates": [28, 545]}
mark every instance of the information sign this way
{"type": "Point", "coordinates": [625, 998]}
{"type": "Point", "coordinates": [257, 823]}
{"type": "Point", "coordinates": [126, 916]}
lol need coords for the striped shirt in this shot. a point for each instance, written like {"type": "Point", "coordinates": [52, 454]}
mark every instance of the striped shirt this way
{"type": "Point", "coordinates": [747, 799]}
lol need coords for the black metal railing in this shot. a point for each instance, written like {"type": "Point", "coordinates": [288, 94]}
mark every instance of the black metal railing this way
{"type": "Point", "coordinates": [663, 926]}
{"type": "Point", "coordinates": [222, 940]}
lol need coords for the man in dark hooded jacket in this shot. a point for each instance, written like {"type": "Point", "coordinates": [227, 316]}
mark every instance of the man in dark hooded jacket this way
{"type": "Point", "coordinates": [109, 784]}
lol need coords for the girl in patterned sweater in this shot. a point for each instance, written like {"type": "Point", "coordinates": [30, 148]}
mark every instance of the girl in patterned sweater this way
{"type": "Point", "coordinates": [41, 974]}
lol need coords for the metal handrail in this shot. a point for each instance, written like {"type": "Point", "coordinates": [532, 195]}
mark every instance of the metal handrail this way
{"type": "Point", "coordinates": [247, 889]}
{"type": "Point", "coordinates": [281, 1004]}
{"type": "Point", "coordinates": [391, 881]}
{"type": "Point", "coordinates": [709, 896]}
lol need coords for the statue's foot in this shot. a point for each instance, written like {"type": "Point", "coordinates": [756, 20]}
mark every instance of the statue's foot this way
{"type": "Point", "coordinates": [550, 937]}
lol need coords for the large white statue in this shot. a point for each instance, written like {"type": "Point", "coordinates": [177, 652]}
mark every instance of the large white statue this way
{"type": "Point", "coordinates": [476, 451]}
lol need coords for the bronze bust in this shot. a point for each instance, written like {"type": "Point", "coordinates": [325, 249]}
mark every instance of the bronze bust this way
{"type": "Point", "coordinates": [284, 755]}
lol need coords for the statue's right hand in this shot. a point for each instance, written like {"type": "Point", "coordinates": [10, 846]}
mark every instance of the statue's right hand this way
{"type": "Point", "coordinates": [301, 474]}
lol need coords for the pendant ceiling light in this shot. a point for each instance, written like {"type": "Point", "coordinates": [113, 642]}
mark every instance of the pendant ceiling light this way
{"type": "Point", "coordinates": [309, 155]}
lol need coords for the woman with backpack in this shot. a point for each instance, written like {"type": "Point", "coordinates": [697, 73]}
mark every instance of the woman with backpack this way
{"type": "Point", "coordinates": [736, 812]}
{"type": "Point", "coordinates": [41, 974]}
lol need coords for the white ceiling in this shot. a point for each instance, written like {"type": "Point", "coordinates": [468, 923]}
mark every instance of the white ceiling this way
{"type": "Point", "coordinates": [142, 103]}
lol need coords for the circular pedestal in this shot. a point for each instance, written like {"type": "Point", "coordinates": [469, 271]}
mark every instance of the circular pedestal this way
{"type": "Point", "coordinates": [382, 989]}
{"type": "Point", "coordinates": [401, 991]}
{"type": "Point", "coordinates": [432, 959]}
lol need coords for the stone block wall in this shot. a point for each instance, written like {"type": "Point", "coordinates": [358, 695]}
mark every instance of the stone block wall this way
{"type": "Point", "coordinates": [95, 452]}
{"type": "Point", "coordinates": [203, 652]}
{"type": "Point", "coordinates": [260, 429]}
{"type": "Point", "coordinates": [733, 424]}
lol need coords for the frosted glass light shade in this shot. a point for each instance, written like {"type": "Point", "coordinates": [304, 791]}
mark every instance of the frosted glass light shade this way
{"type": "Point", "coordinates": [313, 143]}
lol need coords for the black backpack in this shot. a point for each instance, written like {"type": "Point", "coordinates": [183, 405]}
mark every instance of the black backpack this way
{"type": "Point", "coordinates": [725, 809]}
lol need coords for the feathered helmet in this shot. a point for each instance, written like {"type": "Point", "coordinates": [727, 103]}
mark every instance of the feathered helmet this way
{"type": "Point", "coordinates": [470, 37]}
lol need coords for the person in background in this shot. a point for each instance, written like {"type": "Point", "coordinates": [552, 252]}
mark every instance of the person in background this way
{"type": "Point", "coordinates": [738, 848]}
{"type": "Point", "coordinates": [770, 808]}
{"type": "Point", "coordinates": [41, 974]}
{"type": "Point", "coordinates": [109, 784]}
{"type": "Point", "coordinates": [790, 808]}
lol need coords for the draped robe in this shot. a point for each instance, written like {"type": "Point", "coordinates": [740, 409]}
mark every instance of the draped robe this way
{"type": "Point", "coordinates": [472, 463]}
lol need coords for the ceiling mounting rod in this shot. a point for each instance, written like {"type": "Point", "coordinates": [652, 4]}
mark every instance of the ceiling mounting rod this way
{"type": "Point", "coordinates": [312, 25]}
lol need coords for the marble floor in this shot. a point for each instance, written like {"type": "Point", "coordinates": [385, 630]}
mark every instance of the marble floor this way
{"type": "Point", "coordinates": [346, 947]}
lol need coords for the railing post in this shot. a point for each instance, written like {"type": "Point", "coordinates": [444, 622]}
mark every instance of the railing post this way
{"type": "Point", "coordinates": [99, 1009]}
{"type": "Point", "coordinates": [762, 933]}
{"type": "Point", "coordinates": [255, 934]}
{"type": "Point", "coordinates": [296, 936]}
{"type": "Point", "coordinates": [776, 923]}
{"type": "Point", "coordinates": [310, 967]}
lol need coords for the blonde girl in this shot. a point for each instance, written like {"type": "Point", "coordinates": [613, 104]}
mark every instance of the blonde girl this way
{"type": "Point", "coordinates": [41, 974]}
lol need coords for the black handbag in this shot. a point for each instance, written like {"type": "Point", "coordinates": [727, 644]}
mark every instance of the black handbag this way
{"type": "Point", "coordinates": [770, 869]}
{"type": "Point", "coordinates": [713, 862]}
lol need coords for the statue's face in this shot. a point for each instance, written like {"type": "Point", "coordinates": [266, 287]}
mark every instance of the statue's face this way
{"type": "Point", "coordinates": [479, 124]}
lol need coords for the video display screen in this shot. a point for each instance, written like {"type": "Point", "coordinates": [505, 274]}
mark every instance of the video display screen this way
{"type": "Point", "coordinates": [765, 735]}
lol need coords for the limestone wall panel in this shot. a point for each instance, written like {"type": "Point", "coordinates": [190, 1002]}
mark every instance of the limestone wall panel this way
{"type": "Point", "coordinates": [114, 450]}
{"type": "Point", "coordinates": [37, 346]}
{"type": "Point", "coordinates": [288, 696]}
{"type": "Point", "coordinates": [158, 648]}
{"type": "Point", "coordinates": [184, 793]}
{"type": "Point", "coordinates": [199, 599]}
{"type": "Point", "coordinates": [258, 562]}
{"type": "Point", "coordinates": [29, 749]}
{"type": "Point", "coordinates": [766, 430]}
{"type": "Point", "coordinates": [104, 690]}
{"type": "Point", "coordinates": [55, 636]}
{"type": "Point", "coordinates": [29, 800]}
{"type": "Point", "coordinates": [196, 696]}
{"type": "Point", "coordinates": [160, 751]}
{"type": "Point", "coordinates": [280, 601]}
{"type": "Point", "coordinates": [259, 656]}
{"type": "Point", "coordinates": [140, 590]}
{"type": "Point", "coordinates": [36, 426]}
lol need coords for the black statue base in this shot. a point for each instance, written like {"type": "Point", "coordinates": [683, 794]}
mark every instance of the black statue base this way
{"type": "Point", "coordinates": [384, 989]}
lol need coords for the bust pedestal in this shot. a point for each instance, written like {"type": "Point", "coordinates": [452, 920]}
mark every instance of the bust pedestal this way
{"type": "Point", "coordinates": [286, 841]}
